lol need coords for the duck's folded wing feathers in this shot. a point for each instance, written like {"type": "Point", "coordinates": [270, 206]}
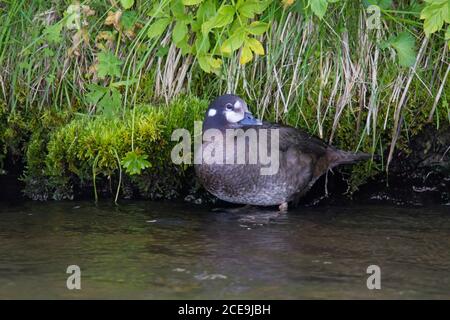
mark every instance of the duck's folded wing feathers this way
{"type": "Point", "coordinates": [290, 137]}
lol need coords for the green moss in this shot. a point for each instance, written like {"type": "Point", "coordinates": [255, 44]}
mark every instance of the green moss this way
{"type": "Point", "coordinates": [87, 151]}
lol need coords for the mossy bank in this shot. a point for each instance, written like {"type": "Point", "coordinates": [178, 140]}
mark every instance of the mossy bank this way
{"type": "Point", "coordinates": [61, 155]}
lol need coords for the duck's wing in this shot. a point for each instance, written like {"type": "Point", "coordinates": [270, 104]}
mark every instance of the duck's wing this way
{"type": "Point", "coordinates": [290, 137]}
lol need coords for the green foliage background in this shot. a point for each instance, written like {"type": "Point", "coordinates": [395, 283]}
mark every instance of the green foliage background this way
{"type": "Point", "coordinates": [91, 90]}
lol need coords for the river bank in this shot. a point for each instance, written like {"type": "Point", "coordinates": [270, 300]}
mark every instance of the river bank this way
{"type": "Point", "coordinates": [59, 165]}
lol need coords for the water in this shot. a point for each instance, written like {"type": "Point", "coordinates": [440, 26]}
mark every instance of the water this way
{"type": "Point", "coordinates": [148, 250]}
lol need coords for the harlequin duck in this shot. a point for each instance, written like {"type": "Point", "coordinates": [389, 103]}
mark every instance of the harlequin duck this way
{"type": "Point", "coordinates": [300, 157]}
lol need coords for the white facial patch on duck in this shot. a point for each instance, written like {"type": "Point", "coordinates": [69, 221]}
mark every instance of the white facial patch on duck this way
{"type": "Point", "coordinates": [233, 116]}
{"type": "Point", "coordinates": [212, 112]}
{"type": "Point", "coordinates": [237, 114]}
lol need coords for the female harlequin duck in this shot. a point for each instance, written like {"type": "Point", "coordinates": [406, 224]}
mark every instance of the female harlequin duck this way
{"type": "Point", "coordinates": [235, 150]}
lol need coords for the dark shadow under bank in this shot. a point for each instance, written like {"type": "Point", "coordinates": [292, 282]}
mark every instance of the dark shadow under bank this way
{"type": "Point", "coordinates": [420, 176]}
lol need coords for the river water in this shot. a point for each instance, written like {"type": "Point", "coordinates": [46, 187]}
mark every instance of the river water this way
{"type": "Point", "coordinates": [148, 250]}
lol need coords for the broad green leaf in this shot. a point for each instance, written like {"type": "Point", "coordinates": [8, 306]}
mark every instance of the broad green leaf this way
{"type": "Point", "coordinates": [206, 10]}
{"type": "Point", "coordinates": [159, 10]}
{"type": "Point", "coordinates": [162, 52]}
{"type": "Point", "coordinates": [215, 63]}
{"type": "Point", "coordinates": [319, 7]}
{"type": "Point", "coordinates": [191, 2]}
{"type": "Point", "coordinates": [184, 46]}
{"type": "Point", "coordinates": [255, 46]}
{"type": "Point", "coordinates": [202, 44]}
{"type": "Point", "coordinates": [404, 44]}
{"type": "Point", "coordinates": [203, 63]}
{"type": "Point", "coordinates": [47, 52]}
{"type": "Point", "coordinates": [108, 65]}
{"type": "Point", "coordinates": [223, 17]}
{"type": "Point", "coordinates": [208, 63]}
{"type": "Point", "coordinates": [177, 8]}
{"type": "Point", "coordinates": [248, 9]}
{"type": "Point", "coordinates": [111, 102]}
{"type": "Point", "coordinates": [53, 33]}
{"type": "Point", "coordinates": [129, 19]}
{"type": "Point", "coordinates": [434, 14]}
{"type": "Point", "coordinates": [95, 93]}
{"type": "Point", "coordinates": [158, 27]}
{"type": "Point", "coordinates": [234, 42]}
{"type": "Point", "coordinates": [127, 4]}
{"type": "Point", "coordinates": [246, 55]}
{"type": "Point", "coordinates": [179, 31]}
{"type": "Point", "coordinates": [134, 162]}
{"type": "Point", "coordinates": [257, 28]}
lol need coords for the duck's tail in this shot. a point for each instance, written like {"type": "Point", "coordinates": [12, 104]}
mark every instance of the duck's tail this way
{"type": "Point", "coordinates": [337, 157]}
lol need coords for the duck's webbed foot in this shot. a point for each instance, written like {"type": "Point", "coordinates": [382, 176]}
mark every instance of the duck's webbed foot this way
{"type": "Point", "coordinates": [245, 209]}
{"type": "Point", "coordinates": [283, 207]}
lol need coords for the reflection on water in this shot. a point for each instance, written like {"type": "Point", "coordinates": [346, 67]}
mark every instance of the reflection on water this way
{"type": "Point", "coordinates": [150, 250]}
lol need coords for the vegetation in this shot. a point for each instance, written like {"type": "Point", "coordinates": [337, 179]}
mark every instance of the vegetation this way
{"type": "Point", "coordinates": [91, 90]}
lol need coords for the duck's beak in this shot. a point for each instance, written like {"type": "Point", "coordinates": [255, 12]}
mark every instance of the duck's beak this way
{"type": "Point", "coordinates": [249, 119]}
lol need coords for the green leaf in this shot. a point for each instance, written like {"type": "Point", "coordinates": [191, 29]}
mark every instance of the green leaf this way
{"type": "Point", "coordinates": [434, 14]}
{"type": "Point", "coordinates": [248, 9]}
{"type": "Point", "coordinates": [162, 52]}
{"type": "Point", "coordinates": [184, 46]}
{"type": "Point", "coordinates": [319, 7]}
{"type": "Point", "coordinates": [96, 92]}
{"type": "Point", "coordinates": [159, 10]}
{"type": "Point", "coordinates": [127, 4]}
{"type": "Point", "coordinates": [202, 44]}
{"type": "Point", "coordinates": [404, 44]}
{"type": "Point", "coordinates": [129, 19]}
{"type": "Point", "coordinates": [110, 104]}
{"type": "Point", "coordinates": [179, 31]}
{"type": "Point", "coordinates": [223, 17]}
{"type": "Point", "coordinates": [234, 42]}
{"type": "Point", "coordinates": [208, 63]}
{"type": "Point", "coordinates": [53, 33]}
{"type": "Point", "coordinates": [206, 10]}
{"type": "Point", "coordinates": [177, 8]}
{"type": "Point", "coordinates": [108, 65]}
{"type": "Point", "coordinates": [246, 55]}
{"type": "Point", "coordinates": [215, 63]}
{"type": "Point", "coordinates": [203, 63]}
{"type": "Point", "coordinates": [158, 27]}
{"type": "Point", "coordinates": [257, 28]}
{"type": "Point", "coordinates": [191, 2]}
{"type": "Point", "coordinates": [134, 162]}
{"type": "Point", "coordinates": [255, 46]}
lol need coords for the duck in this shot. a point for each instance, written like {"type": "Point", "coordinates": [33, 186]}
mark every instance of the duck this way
{"type": "Point", "coordinates": [302, 158]}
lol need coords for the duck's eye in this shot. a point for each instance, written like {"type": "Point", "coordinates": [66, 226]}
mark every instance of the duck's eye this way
{"type": "Point", "coordinates": [229, 106]}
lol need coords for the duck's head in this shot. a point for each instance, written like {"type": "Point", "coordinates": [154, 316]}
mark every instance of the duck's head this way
{"type": "Point", "coordinates": [228, 112]}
